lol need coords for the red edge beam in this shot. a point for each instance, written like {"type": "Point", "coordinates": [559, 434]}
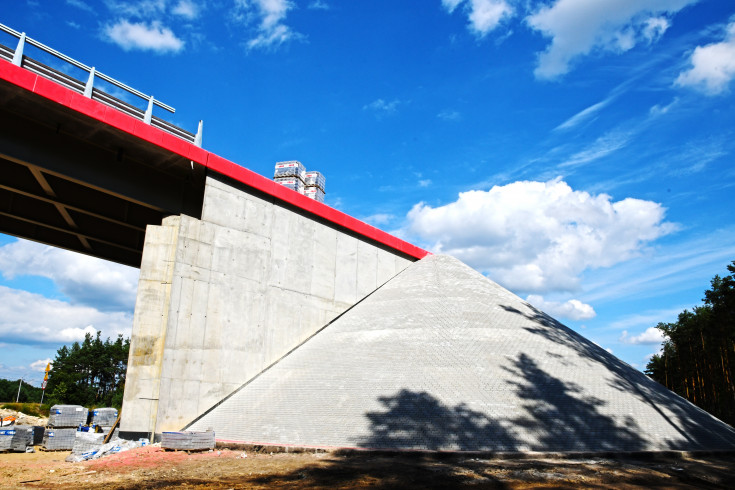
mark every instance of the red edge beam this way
{"type": "Point", "coordinates": [96, 110]}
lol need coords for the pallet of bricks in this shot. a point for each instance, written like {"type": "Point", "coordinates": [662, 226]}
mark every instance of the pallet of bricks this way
{"type": "Point", "coordinates": [293, 175]}
{"type": "Point", "coordinates": [73, 427]}
{"type": "Point", "coordinates": [314, 185]}
{"type": "Point", "coordinates": [19, 438]}
{"type": "Point", "coordinates": [63, 422]}
{"type": "Point", "coordinates": [188, 440]}
{"type": "Point", "coordinates": [290, 174]}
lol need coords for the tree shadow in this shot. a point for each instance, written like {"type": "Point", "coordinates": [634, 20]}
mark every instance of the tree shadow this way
{"type": "Point", "coordinates": [698, 430]}
{"type": "Point", "coordinates": [557, 417]}
{"type": "Point", "coordinates": [553, 416]}
{"type": "Point", "coordinates": [417, 420]}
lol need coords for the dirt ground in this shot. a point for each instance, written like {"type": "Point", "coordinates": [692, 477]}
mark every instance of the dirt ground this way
{"type": "Point", "coordinates": [152, 467]}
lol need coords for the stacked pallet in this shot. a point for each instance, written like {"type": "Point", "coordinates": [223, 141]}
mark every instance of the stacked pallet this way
{"type": "Point", "coordinates": [188, 440]}
{"type": "Point", "coordinates": [293, 174]}
{"type": "Point", "coordinates": [62, 426]}
{"type": "Point", "coordinates": [20, 437]}
{"type": "Point", "coordinates": [6, 439]}
{"type": "Point", "coordinates": [59, 439]}
{"type": "Point", "coordinates": [67, 416]}
{"type": "Point", "coordinates": [104, 418]}
{"type": "Point", "coordinates": [87, 443]}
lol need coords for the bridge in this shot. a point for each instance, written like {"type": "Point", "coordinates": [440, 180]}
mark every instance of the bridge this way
{"type": "Point", "coordinates": [276, 319]}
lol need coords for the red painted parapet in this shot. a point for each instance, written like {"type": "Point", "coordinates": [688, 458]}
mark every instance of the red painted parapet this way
{"type": "Point", "coordinates": [119, 120]}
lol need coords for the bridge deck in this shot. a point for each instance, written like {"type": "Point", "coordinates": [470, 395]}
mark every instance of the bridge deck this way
{"type": "Point", "coordinates": [84, 176]}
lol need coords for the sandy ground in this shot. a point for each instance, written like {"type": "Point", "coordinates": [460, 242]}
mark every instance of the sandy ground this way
{"type": "Point", "coordinates": [152, 467]}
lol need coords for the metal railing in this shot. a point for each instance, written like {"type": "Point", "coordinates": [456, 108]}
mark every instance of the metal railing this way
{"type": "Point", "coordinates": [87, 88]}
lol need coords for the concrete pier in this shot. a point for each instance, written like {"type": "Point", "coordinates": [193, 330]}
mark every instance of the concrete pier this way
{"type": "Point", "coordinates": [223, 297]}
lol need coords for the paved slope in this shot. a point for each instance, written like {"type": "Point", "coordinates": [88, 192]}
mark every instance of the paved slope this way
{"type": "Point", "coordinates": [442, 358]}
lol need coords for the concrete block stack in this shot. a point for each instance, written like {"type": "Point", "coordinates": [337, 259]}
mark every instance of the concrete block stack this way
{"type": "Point", "coordinates": [188, 440]}
{"type": "Point", "coordinates": [62, 426]}
{"type": "Point", "coordinates": [6, 439]}
{"type": "Point", "coordinates": [293, 174]}
{"type": "Point", "coordinates": [104, 418]}
{"type": "Point", "coordinates": [67, 416]}
{"type": "Point", "coordinates": [59, 439]}
{"type": "Point", "coordinates": [315, 184]}
{"type": "Point", "coordinates": [87, 443]}
{"type": "Point", "coordinates": [19, 437]}
{"type": "Point", "coordinates": [290, 174]}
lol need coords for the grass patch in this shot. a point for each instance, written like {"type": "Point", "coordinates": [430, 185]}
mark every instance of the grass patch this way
{"type": "Point", "coordinates": [33, 409]}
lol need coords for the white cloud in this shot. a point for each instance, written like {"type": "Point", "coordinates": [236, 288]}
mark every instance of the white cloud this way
{"type": "Point", "coordinates": [319, 5]}
{"type": "Point", "coordinates": [655, 27]}
{"type": "Point", "coordinates": [424, 182]}
{"type": "Point", "coordinates": [579, 27]}
{"type": "Point", "coordinates": [186, 9]}
{"type": "Point", "coordinates": [41, 364]}
{"type": "Point", "coordinates": [448, 115]}
{"type": "Point", "coordinates": [583, 115]}
{"type": "Point", "coordinates": [713, 66]}
{"type": "Point", "coordinates": [31, 319]}
{"type": "Point", "coordinates": [652, 335]}
{"type": "Point", "coordinates": [139, 35]}
{"type": "Point", "coordinates": [381, 106]}
{"type": "Point", "coordinates": [483, 15]}
{"type": "Point", "coordinates": [84, 279]}
{"type": "Point", "coordinates": [572, 309]}
{"type": "Point", "coordinates": [269, 16]}
{"type": "Point", "coordinates": [603, 146]}
{"type": "Point", "coordinates": [539, 236]}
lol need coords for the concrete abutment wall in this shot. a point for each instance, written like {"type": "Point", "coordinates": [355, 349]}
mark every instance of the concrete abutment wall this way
{"type": "Point", "coordinates": [222, 298]}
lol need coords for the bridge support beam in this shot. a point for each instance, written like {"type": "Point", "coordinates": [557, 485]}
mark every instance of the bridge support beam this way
{"type": "Point", "coordinates": [223, 297]}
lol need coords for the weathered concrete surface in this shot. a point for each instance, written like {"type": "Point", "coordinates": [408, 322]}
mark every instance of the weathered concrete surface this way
{"type": "Point", "coordinates": [238, 290]}
{"type": "Point", "coordinates": [442, 358]}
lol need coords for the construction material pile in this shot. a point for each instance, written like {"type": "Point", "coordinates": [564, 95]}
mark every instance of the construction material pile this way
{"type": "Point", "coordinates": [67, 416]}
{"type": "Point", "coordinates": [188, 440]}
{"type": "Point", "coordinates": [293, 174]}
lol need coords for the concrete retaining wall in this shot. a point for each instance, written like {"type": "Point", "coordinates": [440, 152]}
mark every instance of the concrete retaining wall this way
{"type": "Point", "coordinates": [222, 298]}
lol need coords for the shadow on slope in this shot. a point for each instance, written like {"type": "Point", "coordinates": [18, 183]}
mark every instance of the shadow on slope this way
{"type": "Point", "coordinates": [554, 416]}
{"type": "Point", "coordinates": [697, 428]}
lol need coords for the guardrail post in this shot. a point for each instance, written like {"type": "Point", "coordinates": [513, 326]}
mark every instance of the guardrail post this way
{"type": "Point", "coordinates": [198, 137]}
{"type": "Point", "coordinates": [149, 111]}
{"type": "Point", "coordinates": [18, 56]}
{"type": "Point", "coordinates": [90, 84]}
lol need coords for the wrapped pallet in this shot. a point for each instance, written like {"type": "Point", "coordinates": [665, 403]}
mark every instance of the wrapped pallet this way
{"type": "Point", "coordinates": [314, 193]}
{"type": "Point", "coordinates": [292, 183]}
{"type": "Point", "coordinates": [87, 442]}
{"type": "Point", "coordinates": [6, 439]}
{"type": "Point", "coordinates": [292, 168]}
{"type": "Point", "coordinates": [314, 178]}
{"type": "Point", "coordinates": [103, 417]}
{"type": "Point", "coordinates": [67, 416]}
{"type": "Point", "coordinates": [23, 438]}
{"type": "Point", "coordinates": [59, 439]}
{"type": "Point", "coordinates": [188, 440]}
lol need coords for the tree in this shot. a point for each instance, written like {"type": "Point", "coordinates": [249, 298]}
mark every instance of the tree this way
{"type": "Point", "coordinates": [91, 373]}
{"type": "Point", "coordinates": [698, 356]}
{"type": "Point", "coordinates": [9, 391]}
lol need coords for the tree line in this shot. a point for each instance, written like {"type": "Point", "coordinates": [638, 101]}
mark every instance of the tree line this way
{"type": "Point", "coordinates": [9, 391]}
{"type": "Point", "coordinates": [91, 373]}
{"type": "Point", "coordinates": [698, 356]}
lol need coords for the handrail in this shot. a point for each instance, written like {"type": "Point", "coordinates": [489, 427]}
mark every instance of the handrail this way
{"type": "Point", "coordinates": [88, 89]}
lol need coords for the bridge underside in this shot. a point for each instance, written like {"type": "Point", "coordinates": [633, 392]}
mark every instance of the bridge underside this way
{"type": "Point", "coordinates": [70, 181]}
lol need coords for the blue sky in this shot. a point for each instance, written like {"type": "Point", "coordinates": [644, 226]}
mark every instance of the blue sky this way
{"type": "Point", "coordinates": [578, 152]}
